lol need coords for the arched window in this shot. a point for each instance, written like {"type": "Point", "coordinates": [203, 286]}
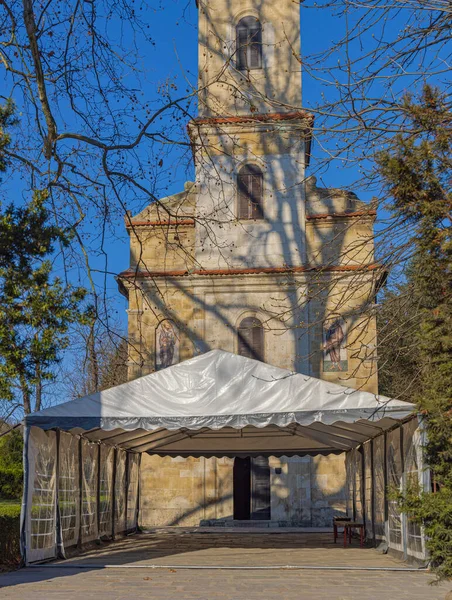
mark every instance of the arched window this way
{"type": "Point", "coordinates": [250, 187]}
{"type": "Point", "coordinates": [251, 338]}
{"type": "Point", "coordinates": [249, 44]}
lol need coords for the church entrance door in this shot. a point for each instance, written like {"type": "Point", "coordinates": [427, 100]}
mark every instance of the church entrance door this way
{"type": "Point", "coordinates": [251, 489]}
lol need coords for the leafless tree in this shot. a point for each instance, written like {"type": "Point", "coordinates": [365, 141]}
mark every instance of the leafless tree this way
{"type": "Point", "coordinates": [89, 135]}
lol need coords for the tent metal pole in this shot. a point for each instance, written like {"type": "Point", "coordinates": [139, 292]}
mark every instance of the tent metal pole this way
{"type": "Point", "coordinates": [24, 516]}
{"type": "Point", "coordinates": [59, 532]}
{"type": "Point", "coordinates": [127, 478]}
{"type": "Point", "coordinates": [372, 489]}
{"type": "Point", "coordinates": [354, 486]}
{"type": "Point", "coordinates": [403, 516]}
{"type": "Point", "coordinates": [385, 475]}
{"type": "Point", "coordinates": [113, 494]}
{"type": "Point", "coordinates": [99, 458]}
{"type": "Point", "coordinates": [363, 486]}
{"type": "Point", "coordinates": [137, 512]}
{"type": "Point", "coordinates": [80, 487]}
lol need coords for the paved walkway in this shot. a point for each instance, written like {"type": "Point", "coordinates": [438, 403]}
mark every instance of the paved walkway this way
{"type": "Point", "coordinates": [118, 571]}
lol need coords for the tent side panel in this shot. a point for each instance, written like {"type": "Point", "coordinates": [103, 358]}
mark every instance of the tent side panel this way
{"type": "Point", "coordinates": [106, 490]}
{"type": "Point", "coordinates": [40, 517]}
{"type": "Point", "coordinates": [368, 492]}
{"type": "Point", "coordinates": [68, 490]}
{"type": "Point", "coordinates": [132, 491]}
{"type": "Point", "coordinates": [394, 469]}
{"type": "Point", "coordinates": [413, 479]}
{"type": "Point", "coordinates": [379, 492]}
{"type": "Point", "coordinates": [349, 483]}
{"type": "Point", "coordinates": [358, 486]}
{"type": "Point", "coordinates": [120, 492]}
{"type": "Point", "coordinates": [90, 465]}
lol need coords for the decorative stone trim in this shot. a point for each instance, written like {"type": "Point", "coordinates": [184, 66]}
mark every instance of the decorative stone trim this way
{"type": "Point", "coordinates": [363, 213]}
{"type": "Point", "coordinates": [250, 271]}
{"type": "Point", "coordinates": [250, 118]}
{"type": "Point", "coordinates": [170, 223]}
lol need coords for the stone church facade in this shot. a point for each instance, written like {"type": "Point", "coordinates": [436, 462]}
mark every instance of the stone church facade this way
{"type": "Point", "coordinates": [253, 258]}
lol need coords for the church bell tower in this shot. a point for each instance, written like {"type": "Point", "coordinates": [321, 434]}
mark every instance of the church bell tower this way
{"type": "Point", "coordinates": [249, 57]}
{"type": "Point", "coordinates": [254, 259]}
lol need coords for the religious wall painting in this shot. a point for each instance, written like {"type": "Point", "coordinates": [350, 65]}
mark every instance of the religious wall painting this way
{"type": "Point", "coordinates": [334, 345]}
{"type": "Point", "coordinates": [166, 345]}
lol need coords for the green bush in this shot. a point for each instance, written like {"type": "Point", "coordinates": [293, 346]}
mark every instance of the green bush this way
{"type": "Point", "coordinates": [9, 534]}
{"type": "Point", "coordinates": [10, 483]}
{"type": "Point", "coordinates": [11, 472]}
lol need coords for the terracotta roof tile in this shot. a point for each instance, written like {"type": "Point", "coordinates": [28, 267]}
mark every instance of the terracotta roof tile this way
{"type": "Point", "coordinates": [363, 213]}
{"type": "Point", "coordinates": [170, 223]}
{"type": "Point", "coordinates": [131, 273]}
{"type": "Point", "coordinates": [261, 117]}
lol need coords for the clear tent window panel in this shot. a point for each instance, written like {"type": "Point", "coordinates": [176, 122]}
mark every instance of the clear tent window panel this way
{"type": "Point", "coordinates": [68, 489]}
{"type": "Point", "coordinates": [120, 492]}
{"type": "Point", "coordinates": [41, 522]}
{"type": "Point", "coordinates": [394, 470]}
{"type": "Point", "coordinates": [89, 490]}
{"type": "Point", "coordinates": [106, 490]}
{"type": "Point", "coordinates": [132, 491]}
{"type": "Point", "coordinates": [349, 462]}
{"type": "Point", "coordinates": [413, 481]}
{"type": "Point", "coordinates": [358, 492]}
{"type": "Point", "coordinates": [379, 491]}
{"type": "Point", "coordinates": [368, 489]}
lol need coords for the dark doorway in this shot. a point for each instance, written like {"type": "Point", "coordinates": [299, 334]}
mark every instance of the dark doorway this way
{"type": "Point", "coordinates": [251, 489]}
{"type": "Point", "coordinates": [242, 489]}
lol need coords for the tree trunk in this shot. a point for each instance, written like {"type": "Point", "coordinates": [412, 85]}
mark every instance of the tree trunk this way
{"type": "Point", "coordinates": [93, 368]}
{"type": "Point", "coordinates": [38, 388]}
{"type": "Point", "coordinates": [25, 395]}
{"type": "Point", "coordinates": [31, 29]}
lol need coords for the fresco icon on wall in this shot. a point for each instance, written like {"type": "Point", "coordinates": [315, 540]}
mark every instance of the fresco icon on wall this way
{"type": "Point", "coordinates": [334, 345]}
{"type": "Point", "coordinates": [167, 345]}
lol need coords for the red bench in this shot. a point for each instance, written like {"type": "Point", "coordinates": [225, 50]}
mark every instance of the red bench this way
{"type": "Point", "coordinates": [348, 526]}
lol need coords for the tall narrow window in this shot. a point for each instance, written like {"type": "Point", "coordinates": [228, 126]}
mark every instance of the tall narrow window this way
{"type": "Point", "coordinates": [251, 338]}
{"type": "Point", "coordinates": [250, 187]}
{"type": "Point", "coordinates": [249, 44]}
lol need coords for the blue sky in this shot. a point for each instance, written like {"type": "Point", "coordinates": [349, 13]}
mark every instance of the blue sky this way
{"type": "Point", "coordinates": [173, 55]}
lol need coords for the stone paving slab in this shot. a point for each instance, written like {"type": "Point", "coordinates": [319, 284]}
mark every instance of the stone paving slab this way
{"type": "Point", "coordinates": [231, 549]}
{"type": "Point", "coordinates": [121, 584]}
{"type": "Point", "coordinates": [130, 578]}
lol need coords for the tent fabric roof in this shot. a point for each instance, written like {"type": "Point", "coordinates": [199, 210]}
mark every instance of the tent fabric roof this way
{"type": "Point", "coordinates": [222, 404]}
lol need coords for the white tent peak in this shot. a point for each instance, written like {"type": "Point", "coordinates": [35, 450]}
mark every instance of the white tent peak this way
{"type": "Point", "coordinates": [215, 390]}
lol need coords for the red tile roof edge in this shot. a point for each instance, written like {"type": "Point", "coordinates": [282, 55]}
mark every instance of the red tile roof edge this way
{"type": "Point", "coordinates": [261, 117]}
{"type": "Point", "coordinates": [129, 274]}
{"type": "Point", "coordinates": [169, 223]}
{"type": "Point", "coordinates": [363, 213]}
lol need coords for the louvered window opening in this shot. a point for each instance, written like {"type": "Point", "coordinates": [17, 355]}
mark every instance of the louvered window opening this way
{"type": "Point", "coordinates": [251, 338]}
{"type": "Point", "coordinates": [249, 44]}
{"type": "Point", "coordinates": [250, 193]}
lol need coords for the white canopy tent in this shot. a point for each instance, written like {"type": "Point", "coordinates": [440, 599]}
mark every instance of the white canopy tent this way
{"type": "Point", "coordinates": [216, 404]}
{"type": "Point", "coordinates": [225, 405]}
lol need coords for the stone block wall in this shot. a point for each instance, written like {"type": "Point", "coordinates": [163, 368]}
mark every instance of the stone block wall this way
{"type": "Point", "coordinates": [184, 491]}
{"type": "Point", "coordinates": [305, 492]}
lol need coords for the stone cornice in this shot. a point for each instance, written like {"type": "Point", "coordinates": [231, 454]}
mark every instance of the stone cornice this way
{"type": "Point", "coordinates": [349, 215]}
{"type": "Point", "coordinates": [254, 118]}
{"type": "Point", "coordinates": [169, 223]}
{"type": "Point", "coordinates": [135, 274]}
